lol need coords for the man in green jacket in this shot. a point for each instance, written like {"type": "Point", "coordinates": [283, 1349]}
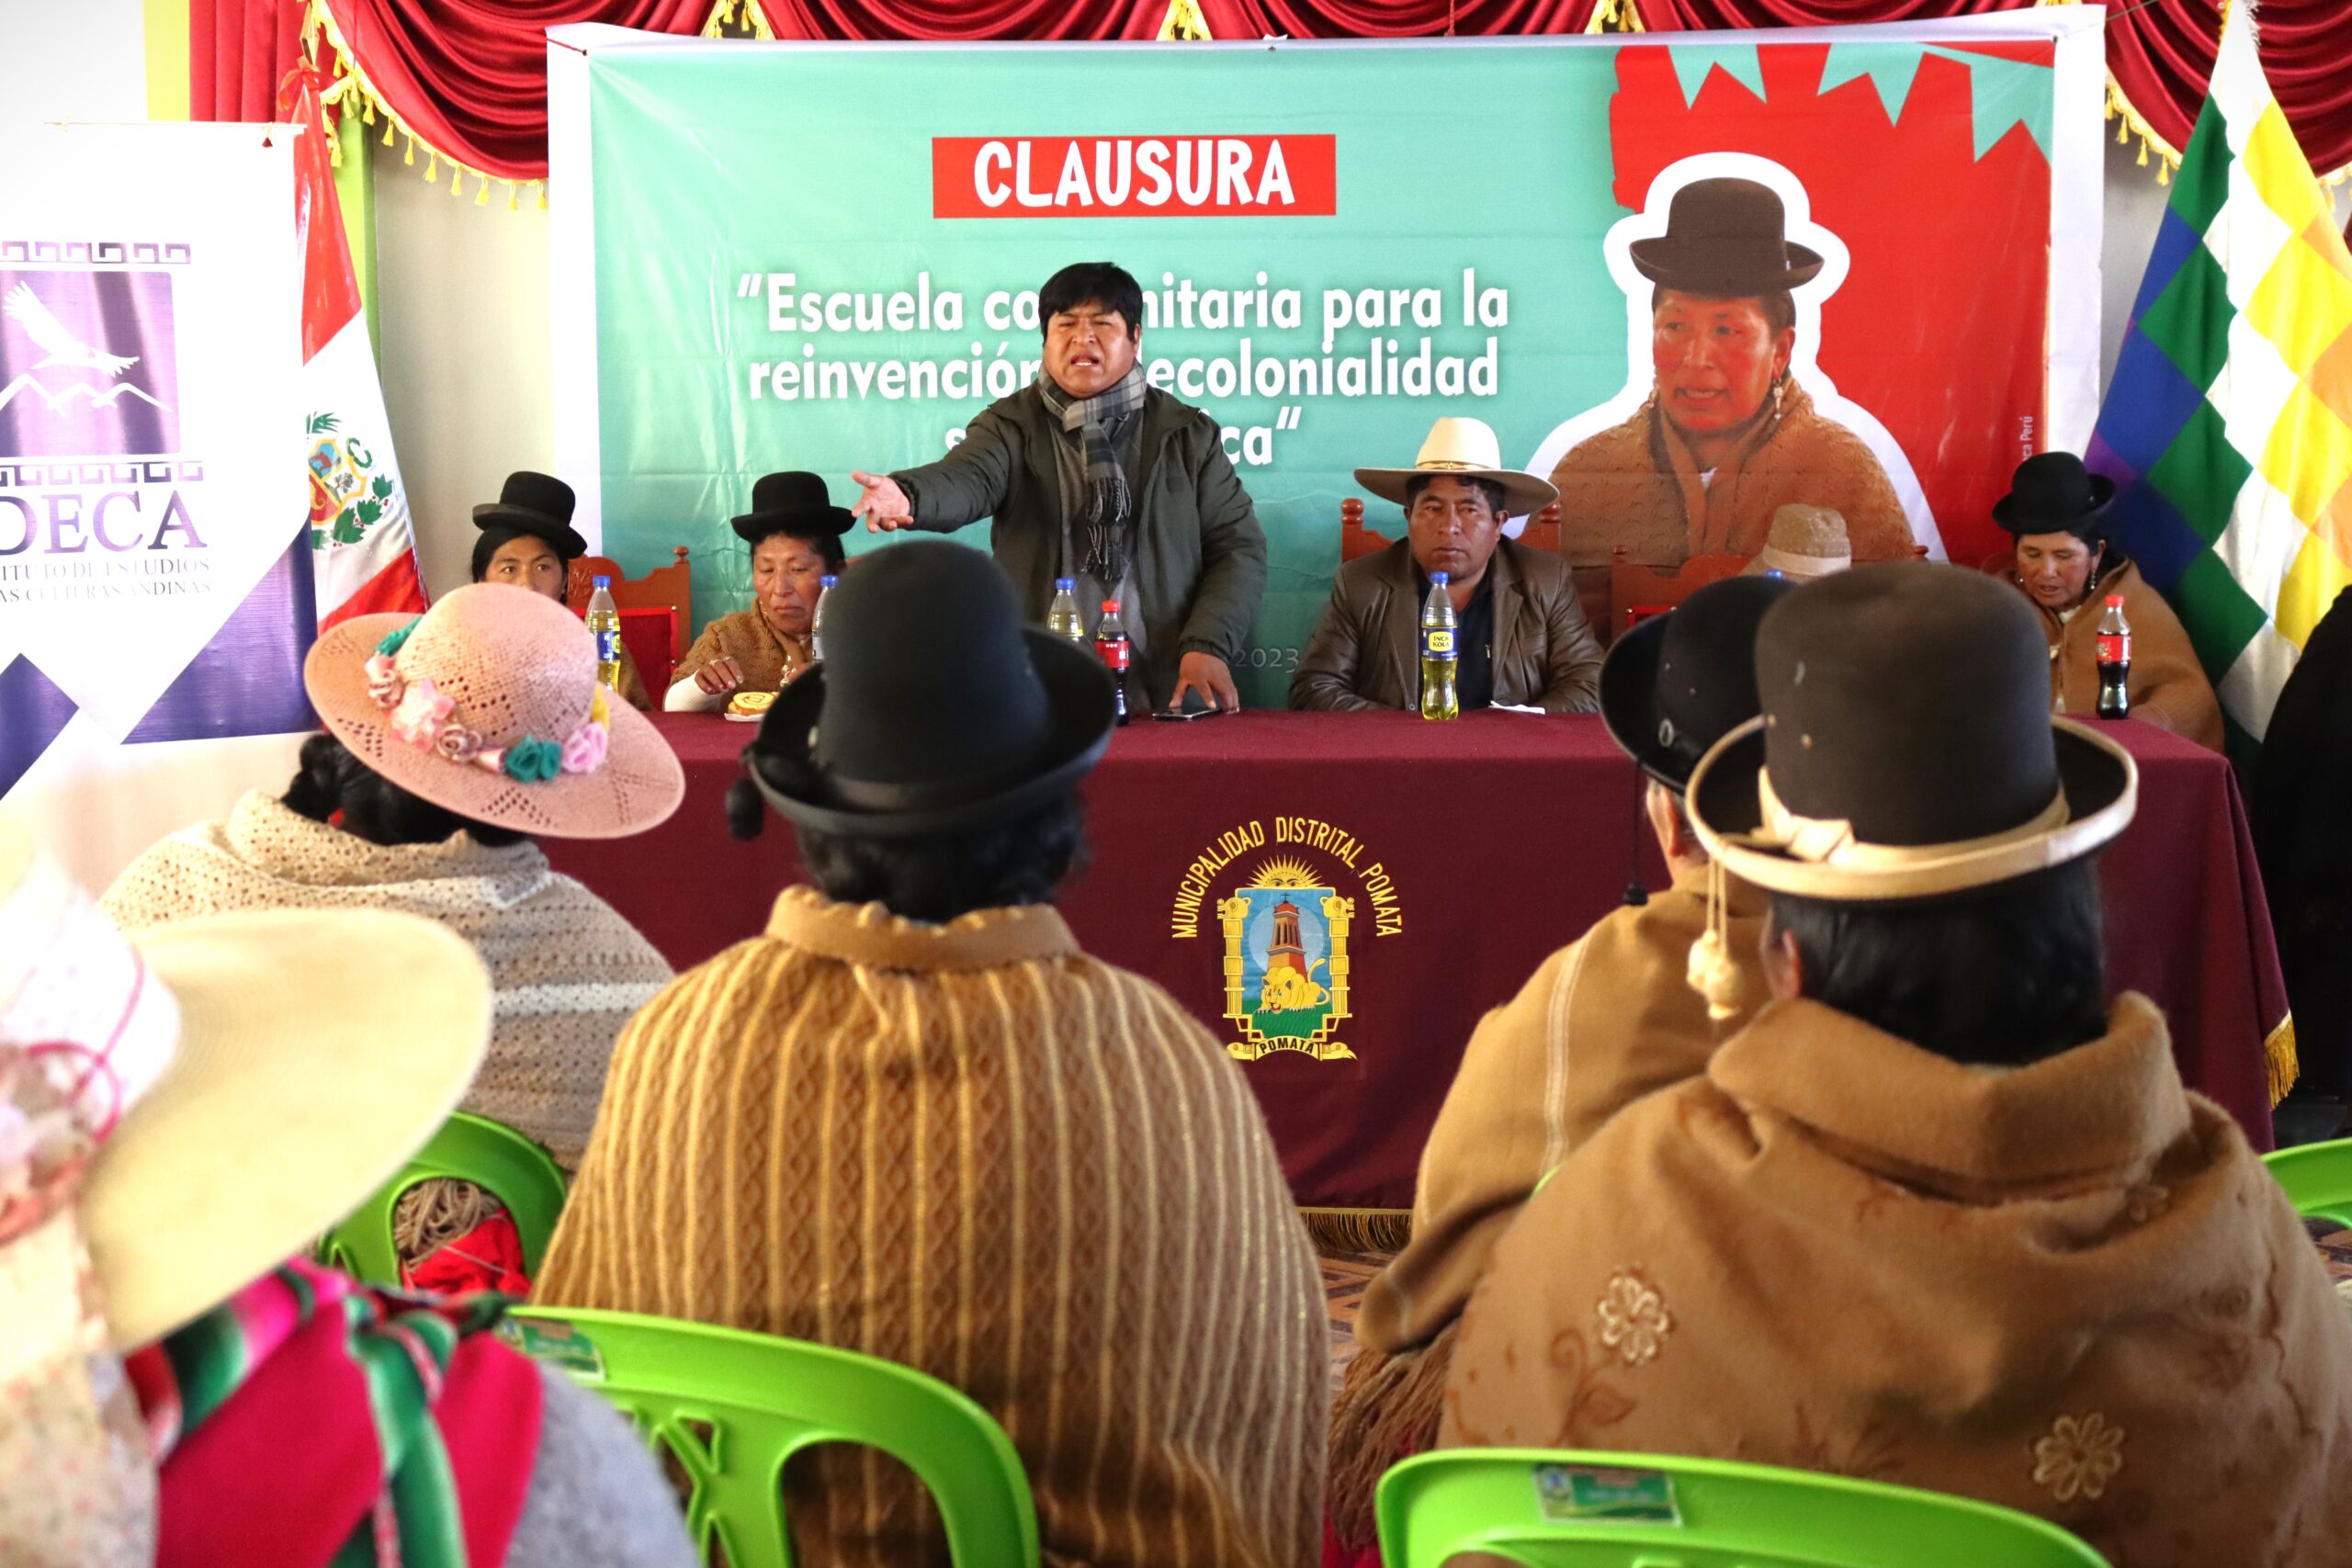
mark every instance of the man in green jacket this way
{"type": "Point", "coordinates": [1090, 473]}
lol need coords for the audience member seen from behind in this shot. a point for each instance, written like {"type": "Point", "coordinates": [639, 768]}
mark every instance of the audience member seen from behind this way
{"type": "Point", "coordinates": [951, 1138]}
{"type": "Point", "coordinates": [197, 1106]}
{"type": "Point", "coordinates": [795, 532]}
{"type": "Point", "coordinates": [452, 739]}
{"type": "Point", "coordinates": [1941, 1215]}
{"type": "Point", "coordinates": [2302, 835]}
{"type": "Point", "coordinates": [528, 541]}
{"type": "Point", "coordinates": [1523, 639]}
{"type": "Point", "coordinates": [1604, 1020]}
{"type": "Point", "coordinates": [2068, 565]}
{"type": "Point", "coordinates": [1087, 473]}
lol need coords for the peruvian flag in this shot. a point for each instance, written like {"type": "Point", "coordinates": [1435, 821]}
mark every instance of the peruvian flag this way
{"type": "Point", "coordinates": [364, 550]}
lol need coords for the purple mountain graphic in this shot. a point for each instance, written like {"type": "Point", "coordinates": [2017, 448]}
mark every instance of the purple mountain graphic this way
{"type": "Point", "coordinates": [83, 338]}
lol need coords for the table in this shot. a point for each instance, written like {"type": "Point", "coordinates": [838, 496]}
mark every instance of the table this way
{"type": "Point", "coordinates": [1467, 853]}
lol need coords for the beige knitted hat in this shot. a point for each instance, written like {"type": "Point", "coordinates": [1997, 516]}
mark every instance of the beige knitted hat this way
{"type": "Point", "coordinates": [1806, 542]}
{"type": "Point", "coordinates": [488, 705]}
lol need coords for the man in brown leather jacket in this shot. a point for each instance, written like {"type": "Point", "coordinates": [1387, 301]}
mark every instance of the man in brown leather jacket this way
{"type": "Point", "coordinates": [1525, 640]}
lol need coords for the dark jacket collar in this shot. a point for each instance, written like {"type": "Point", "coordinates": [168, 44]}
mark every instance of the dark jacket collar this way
{"type": "Point", "coordinates": [1400, 620]}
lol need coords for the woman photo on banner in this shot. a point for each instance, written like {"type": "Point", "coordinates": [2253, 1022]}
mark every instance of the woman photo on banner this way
{"type": "Point", "coordinates": [1725, 416]}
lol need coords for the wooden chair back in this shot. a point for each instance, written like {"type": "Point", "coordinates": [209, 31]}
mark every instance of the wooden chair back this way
{"type": "Point", "coordinates": [669, 589]}
{"type": "Point", "coordinates": [1637, 593]}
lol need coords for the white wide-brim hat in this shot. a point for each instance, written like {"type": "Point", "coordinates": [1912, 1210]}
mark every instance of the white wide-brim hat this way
{"type": "Point", "coordinates": [316, 1050]}
{"type": "Point", "coordinates": [1463, 448]}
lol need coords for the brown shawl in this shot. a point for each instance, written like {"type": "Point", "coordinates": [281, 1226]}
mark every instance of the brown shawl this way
{"type": "Point", "coordinates": [2068, 1287]}
{"type": "Point", "coordinates": [1605, 1021]}
{"type": "Point", "coordinates": [2167, 685]}
{"type": "Point", "coordinates": [973, 1150]}
{"type": "Point", "coordinates": [1635, 485]}
{"type": "Point", "coordinates": [746, 637]}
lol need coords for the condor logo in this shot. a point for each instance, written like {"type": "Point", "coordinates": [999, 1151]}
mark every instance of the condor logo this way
{"type": "Point", "coordinates": [1133, 176]}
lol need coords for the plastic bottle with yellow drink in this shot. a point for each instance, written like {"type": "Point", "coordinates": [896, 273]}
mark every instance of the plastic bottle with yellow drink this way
{"type": "Point", "coordinates": [605, 625]}
{"type": "Point", "coordinates": [1439, 697]}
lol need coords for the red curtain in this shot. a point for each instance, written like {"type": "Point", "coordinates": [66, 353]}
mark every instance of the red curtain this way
{"type": "Point", "coordinates": [469, 77]}
{"type": "Point", "coordinates": [967, 19]}
{"type": "Point", "coordinates": [238, 51]}
{"type": "Point", "coordinates": [2161, 54]}
{"type": "Point", "coordinates": [1392, 19]}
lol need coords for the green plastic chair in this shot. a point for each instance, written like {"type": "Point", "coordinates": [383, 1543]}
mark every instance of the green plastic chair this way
{"type": "Point", "coordinates": [733, 1407]}
{"type": "Point", "coordinates": [2318, 1179]}
{"type": "Point", "coordinates": [514, 1171]}
{"type": "Point", "coordinates": [1601, 1510]}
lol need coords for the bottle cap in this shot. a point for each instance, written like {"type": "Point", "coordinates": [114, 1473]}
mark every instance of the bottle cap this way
{"type": "Point", "coordinates": [1110, 605]}
{"type": "Point", "coordinates": [1064, 584]}
{"type": "Point", "coordinates": [1440, 578]}
{"type": "Point", "coordinates": [603, 582]}
{"type": "Point", "coordinates": [2115, 601]}
{"type": "Point", "coordinates": [827, 580]}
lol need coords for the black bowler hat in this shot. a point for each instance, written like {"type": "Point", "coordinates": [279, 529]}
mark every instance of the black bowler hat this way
{"type": "Point", "coordinates": [1677, 683]}
{"type": "Point", "coordinates": [934, 709]}
{"type": "Point", "coordinates": [1906, 749]}
{"type": "Point", "coordinates": [536, 504]}
{"type": "Point", "coordinates": [796, 504]}
{"type": "Point", "coordinates": [2052, 493]}
{"type": "Point", "coordinates": [1724, 238]}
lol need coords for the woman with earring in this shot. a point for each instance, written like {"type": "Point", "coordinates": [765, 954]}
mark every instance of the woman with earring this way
{"type": "Point", "coordinates": [1728, 436]}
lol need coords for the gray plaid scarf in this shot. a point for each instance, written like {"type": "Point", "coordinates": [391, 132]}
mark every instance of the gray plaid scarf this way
{"type": "Point", "coordinates": [1096, 495]}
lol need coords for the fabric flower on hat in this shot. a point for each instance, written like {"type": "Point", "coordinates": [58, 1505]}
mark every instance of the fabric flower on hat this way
{"type": "Point", "coordinates": [384, 682]}
{"type": "Point", "coordinates": [421, 711]}
{"type": "Point", "coordinates": [583, 752]}
{"type": "Point", "coordinates": [456, 742]}
{"type": "Point", "coordinates": [532, 760]}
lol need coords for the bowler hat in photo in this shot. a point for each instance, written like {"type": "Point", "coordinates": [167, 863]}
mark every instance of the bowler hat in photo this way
{"type": "Point", "coordinates": [1675, 683]}
{"type": "Point", "coordinates": [1724, 238]}
{"type": "Point", "coordinates": [934, 709]}
{"type": "Point", "coordinates": [792, 503]}
{"type": "Point", "coordinates": [536, 504]}
{"type": "Point", "coordinates": [2052, 493]}
{"type": "Point", "coordinates": [1906, 749]}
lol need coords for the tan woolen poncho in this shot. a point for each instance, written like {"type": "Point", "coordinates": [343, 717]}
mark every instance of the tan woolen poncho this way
{"type": "Point", "coordinates": [2167, 685]}
{"type": "Point", "coordinates": [2068, 1287]}
{"type": "Point", "coordinates": [974, 1150]}
{"type": "Point", "coordinates": [1605, 1021]}
{"type": "Point", "coordinates": [567, 970]}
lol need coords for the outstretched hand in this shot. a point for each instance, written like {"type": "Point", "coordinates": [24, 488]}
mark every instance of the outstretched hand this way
{"type": "Point", "coordinates": [882, 502]}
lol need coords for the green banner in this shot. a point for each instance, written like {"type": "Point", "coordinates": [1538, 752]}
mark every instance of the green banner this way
{"type": "Point", "coordinates": [826, 257]}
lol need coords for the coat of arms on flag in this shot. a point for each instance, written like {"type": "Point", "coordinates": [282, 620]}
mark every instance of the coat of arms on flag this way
{"type": "Point", "coordinates": [2228, 425]}
{"type": "Point", "coordinates": [365, 547]}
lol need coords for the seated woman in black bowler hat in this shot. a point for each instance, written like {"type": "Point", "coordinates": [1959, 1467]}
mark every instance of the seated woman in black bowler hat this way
{"type": "Point", "coordinates": [528, 541]}
{"type": "Point", "coordinates": [914, 1117]}
{"type": "Point", "coordinates": [795, 532]}
{"type": "Point", "coordinates": [2068, 564]}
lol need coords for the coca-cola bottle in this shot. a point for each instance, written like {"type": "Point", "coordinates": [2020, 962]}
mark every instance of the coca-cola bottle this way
{"type": "Point", "coordinates": [2114, 660]}
{"type": "Point", "coordinates": [1111, 645]}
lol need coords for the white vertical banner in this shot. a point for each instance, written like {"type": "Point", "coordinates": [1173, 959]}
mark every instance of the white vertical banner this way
{"type": "Point", "coordinates": [151, 470]}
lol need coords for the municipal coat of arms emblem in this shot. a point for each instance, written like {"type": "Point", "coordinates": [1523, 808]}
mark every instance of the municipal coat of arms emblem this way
{"type": "Point", "coordinates": [1286, 924]}
{"type": "Point", "coordinates": [1286, 961]}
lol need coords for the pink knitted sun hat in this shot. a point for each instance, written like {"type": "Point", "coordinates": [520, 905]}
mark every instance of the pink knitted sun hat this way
{"type": "Point", "coordinates": [488, 705]}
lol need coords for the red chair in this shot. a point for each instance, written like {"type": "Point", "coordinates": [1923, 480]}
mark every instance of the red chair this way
{"type": "Point", "coordinates": [1637, 593]}
{"type": "Point", "coordinates": [656, 611]}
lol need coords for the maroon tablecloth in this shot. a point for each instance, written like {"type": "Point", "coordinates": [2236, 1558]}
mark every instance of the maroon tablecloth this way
{"type": "Point", "coordinates": [1469, 851]}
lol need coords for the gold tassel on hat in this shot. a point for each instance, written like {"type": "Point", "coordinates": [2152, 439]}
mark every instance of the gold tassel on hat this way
{"type": "Point", "coordinates": [1712, 971]}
